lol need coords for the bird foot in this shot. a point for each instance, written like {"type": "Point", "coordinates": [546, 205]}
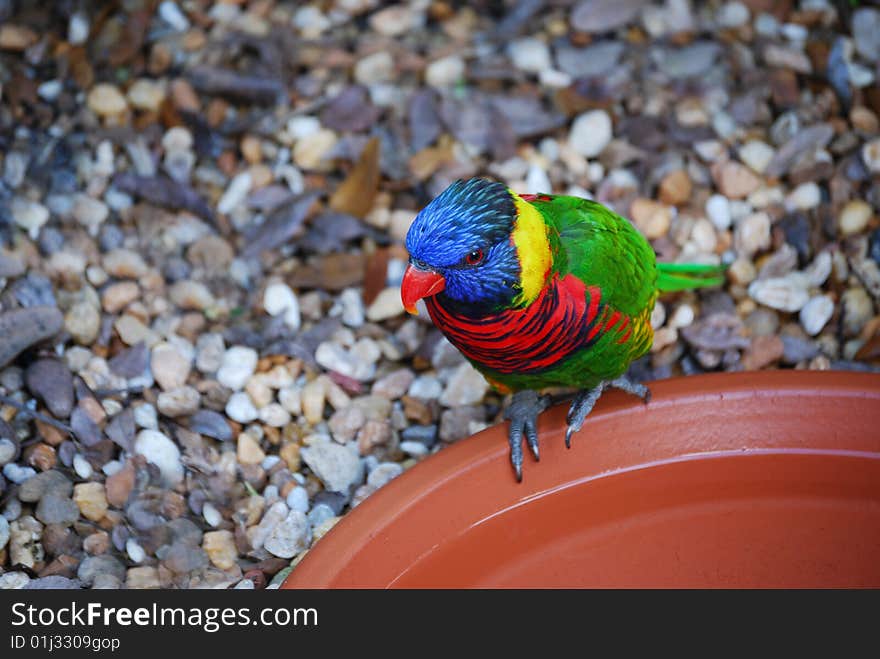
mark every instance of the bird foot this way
{"type": "Point", "coordinates": [584, 401]}
{"type": "Point", "coordinates": [523, 414]}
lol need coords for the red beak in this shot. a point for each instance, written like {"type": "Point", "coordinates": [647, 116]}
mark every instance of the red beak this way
{"type": "Point", "coordinates": [418, 284]}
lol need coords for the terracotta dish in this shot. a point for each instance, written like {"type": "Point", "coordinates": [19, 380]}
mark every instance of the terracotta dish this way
{"type": "Point", "coordinates": [764, 479]}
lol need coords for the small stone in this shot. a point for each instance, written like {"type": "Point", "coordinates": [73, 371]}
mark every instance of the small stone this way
{"type": "Point", "coordinates": [334, 357]}
{"type": "Point", "coordinates": [132, 331]}
{"type": "Point", "coordinates": [190, 294]}
{"type": "Point", "coordinates": [651, 218]}
{"type": "Point", "coordinates": [124, 264]}
{"type": "Point", "coordinates": [590, 133]}
{"type": "Point", "coordinates": [787, 293]}
{"type": "Point", "coordinates": [309, 153]}
{"type": "Point", "coordinates": [529, 54]}
{"type": "Point", "coordinates": [146, 94]}
{"type": "Point", "coordinates": [375, 68]}
{"type": "Point", "coordinates": [55, 509]}
{"type": "Point", "coordinates": [871, 155]}
{"type": "Point", "coordinates": [210, 350]}
{"type": "Point", "coordinates": [4, 532]}
{"type": "Point", "coordinates": [297, 499]}
{"type": "Point", "coordinates": [14, 580]}
{"type": "Point", "coordinates": [858, 309]}
{"type": "Point", "coordinates": [173, 16]}
{"type": "Point", "coordinates": [145, 416]}
{"type": "Point", "coordinates": [816, 313]}
{"type": "Point", "coordinates": [50, 380]}
{"type": "Point", "coordinates": [29, 215]}
{"type": "Point", "coordinates": [134, 550]}
{"type": "Point", "coordinates": [239, 364]}
{"type": "Point", "coordinates": [211, 424]}
{"type": "Point", "coordinates": [240, 408]}
{"type": "Point", "coordinates": [83, 321]}
{"type": "Point", "coordinates": [756, 154]}
{"type": "Point", "coordinates": [162, 452]}
{"type": "Point", "coordinates": [249, 451]}
{"type": "Point", "coordinates": [854, 217]}
{"type": "Point", "coordinates": [235, 193]}
{"type": "Point", "coordinates": [119, 486]}
{"type": "Point", "coordinates": [103, 564]}
{"type": "Point", "coordinates": [183, 558]}
{"type": "Point", "coordinates": [220, 548]}
{"type": "Point", "coordinates": [395, 384]}
{"type": "Point", "coordinates": [336, 466]}
{"type": "Point", "coordinates": [383, 474]}
{"type": "Point", "coordinates": [181, 401]}
{"type": "Point", "coordinates": [352, 303]}
{"type": "Point", "coordinates": [117, 296]}
{"type": "Point", "coordinates": [106, 100]}
{"type": "Point", "coordinates": [374, 433]}
{"type": "Point", "coordinates": [465, 387]}
{"type": "Point", "coordinates": [735, 181]}
{"type": "Point", "coordinates": [763, 351]}
{"type": "Point", "coordinates": [16, 37]}
{"type": "Point", "coordinates": [290, 536]}
{"type": "Point", "coordinates": [732, 15]}
{"type": "Point", "coordinates": [82, 467]}
{"type": "Point", "coordinates": [752, 234]}
{"type": "Point", "coordinates": [675, 188]}
{"type": "Point", "coordinates": [91, 500]}
{"type": "Point", "coordinates": [386, 305]}
{"type": "Point", "coordinates": [274, 415]}
{"type": "Point", "coordinates": [170, 368]}
{"type": "Point", "coordinates": [445, 72]}
{"type": "Point", "coordinates": [279, 299]}
{"type": "Point", "coordinates": [804, 197]}
{"type": "Point", "coordinates": [142, 577]}
{"type": "Point", "coordinates": [312, 399]}
{"type": "Point", "coordinates": [89, 212]}
{"type": "Point", "coordinates": [18, 474]}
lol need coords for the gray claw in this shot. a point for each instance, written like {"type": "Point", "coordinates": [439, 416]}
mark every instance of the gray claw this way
{"type": "Point", "coordinates": [523, 414]}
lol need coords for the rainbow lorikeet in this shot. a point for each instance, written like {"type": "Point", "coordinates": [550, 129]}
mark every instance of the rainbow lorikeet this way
{"type": "Point", "coordinates": [539, 291]}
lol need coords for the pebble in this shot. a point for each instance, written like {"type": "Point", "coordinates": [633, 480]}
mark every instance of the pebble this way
{"type": "Point", "coordinates": [117, 296]}
{"type": "Point", "coordinates": [145, 416]}
{"type": "Point", "coordinates": [732, 15]}
{"type": "Point", "coordinates": [82, 467]}
{"type": "Point", "coordinates": [240, 408]}
{"type": "Point", "coordinates": [756, 154]}
{"type": "Point", "coordinates": [734, 180]}
{"type": "Point", "coordinates": [445, 71]}
{"type": "Point", "coordinates": [7, 451]}
{"type": "Point", "coordinates": [334, 357]}
{"type": "Point", "coordinates": [386, 305]}
{"type": "Point", "coordinates": [91, 500]}
{"type": "Point", "coordinates": [54, 482]}
{"type": "Point", "coordinates": [51, 381]}
{"type": "Point", "coordinates": [4, 532]}
{"type": "Point", "coordinates": [238, 365]}
{"type": "Point", "coordinates": [752, 234]}
{"type": "Point", "coordinates": [14, 580]}
{"type": "Point", "coordinates": [235, 193]}
{"type": "Point", "coordinates": [866, 28]}
{"type": "Point", "coordinates": [310, 151]}
{"type": "Point", "coordinates": [173, 16]}
{"type": "Point", "coordinates": [18, 474]}
{"type": "Point", "coordinates": [804, 197]}
{"type": "Point", "coordinates": [336, 466]}
{"type": "Point", "coordinates": [651, 218]}
{"type": "Point", "coordinates": [858, 309]}
{"type": "Point", "coordinates": [816, 313]}
{"type": "Point", "coordinates": [529, 54]}
{"type": "Point", "coordinates": [384, 473]}
{"type": "Point", "coordinates": [210, 350]}
{"type": "Point", "coordinates": [124, 264]}
{"type": "Point", "coordinates": [159, 450]}
{"type": "Point", "coordinates": [190, 294]}
{"type": "Point", "coordinates": [29, 215]}
{"type": "Point", "coordinates": [854, 217]}
{"type": "Point", "coordinates": [290, 536]}
{"type": "Point", "coordinates": [56, 509]}
{"type": "Point", "coordinates": [395, 384]}
{"type": "Point", "coordinates": [763, 351]}
{"type": "Point", "coordinates": [146, 94]}
{"type": "Point", "coordinates": [274, 415]}
{"type": "Point", "coordinates": [181, 401]}
{"type": "Point", "coordinates": [374, 68]}
{"type": "Point", "coordinates": [590, 133]}
{"type": "Point", "coordinates": [297, 499]}
{"type": "Point", "coordinates": [134, 550]}
{"type": "Point", "coordinates": [465, 387]}
{"type": "Point", "coordinates": [280, 299]}
{"type": "Point", "coordinates": [169, 366]}
{"type": "Point", "coordinates": [787, 293]}
{"type": "Point", "coordinates": [106, 100]}
{"type": "Point", "coordinates": [220, 548]}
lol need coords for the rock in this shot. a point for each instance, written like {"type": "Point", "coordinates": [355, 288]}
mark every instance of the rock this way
{"type": "Point", "coordinates": [816, 313]}
{"type": "Point", "coordinates": [220, 548]}
{"type": "Point", "coordinates": [235, 193]}
{"type": "Point", "coordinates": [752, 234]}
{"type": "Point", "coordinates": [189, 294]}
{"type": "Point", "coordinates": [734, 180]}
{"type": "Point", "coordinates": [15, 37]}
{"type": "Point", "coordinates": [239, 364]}
{"type": "Point", "coordinates": [804, 197]}
{"type": "Point", "coordinates": [386, 305]}
{"type": "Point", "coordinates": [336, 466]}
{"type": "Point", "coordinates": [8, 451]}
{"type": "Point", "coordinates": [274, 415]}
{"type": "Point", "coordinates": [146, 94]}
{"type": "Point", "coordinates": [396, 20]}
{"type": "Point", "coordinates": [529, 54]}
{"type": "Point", "coordinates": [345, 423]}
{"type": "Point", "coordinates": [866, 32]}
{"type": "Point", "coordinates": [239, 408]}
{"type": "Point", "coordinates": [142, 577]}
{"type": "Point", "coordinates": [13, 580]}
{"type": "Point", "coordinates": [124, 264]}
{"type": "Point", "coordinates": [211, 424]}
{"type": "Point", "coordinates": [53, 582]}
{"type": "Point", "coordinates": [651, 218]}
{"type": "Point", "coordinates": [458, 422]}
{"type": "Point", "coordinates": [249, 451]}
{"type": "Point", "coordinates": [55, 509]}
{"type": "Point", "coordinates": [604, 15]}
{"type": "Point", "coordinates": [83, 321]}
{"type": "Point", "coordinates": [132, 331]}
{"type": "Point", "coordinates": [181, 401]}
{"type": "Point", "coordinates": [29, 215]}
{"type": "Point", "coordinates": [374, 433]}
{"type": "Point", "coordinates": [310, 152]}
{"type": "Point", "coordinates": [383, 474]}
{"type": "Point", "coordinates": [787, 58]}
{"type": "Point", "coordinates": [173, 16]}
{"type": "Point", "coordinates": [763, 351]}
{"type": "Point", "coordinates": [50, 380]}
{"type": "Point", "coordinates": [4, 532]}
{"type": "Point", "coordinates": [290, 536]}
{"type": "Point", "coordinates": [119, 485]}
{"type": "Point", "coordinates": [800, 144]}
{"type": "Point", "coordinates": [24, 542]}
{"type": "Point", "coordinates": [395, 384]}
{"type": "Point", "coordinates": [162, 452]}
{"type": "Point", "coordinates": [22, 328]}
{"type": "Point", "coordinates": [374, 68]}
{"type": "Point", "coordinates": [89, 212]}
{"type": "Point", "coordinates": [787, 293]}
{"type": "Point", "coordinates": [170, 368]}
{"type": "Point", "coordinates": [756, 154]}
{"type": "Point", "coordinates": [465, 387]}
{"type": "Point", "coordinates": [595, 60]}
{"type": "Point", "coordinates": [353, 312]}
{"type": "Point", "coordinates": [590, 133]}
{"type": "Point", "coordinates": [445, 72]}
{"type": "Point", "coordinates": [210, 351]}
{"type": "Point", "coordinates": [537, 180]}
{"type": "Point", "coordinates": [280, 299]}
{"type": "Point", "coordinates": [675, 188]}
{"type": "Point", "coordinates": [857, 310]}
{"type": "Point", "coordinates": [91, 500]}
{"type": "Point", "coordinates": [49, 482]}
{"type": "Point", "coordinates": [718, 211]}
{"type": "Point", "coordinates": [854, 217]}
{"type": "Point", "coordinates": [334, 357]}
{"type": "Point", "coordinates": [297, 499]}
{"type": "Point", "coordinates": [106, 100]}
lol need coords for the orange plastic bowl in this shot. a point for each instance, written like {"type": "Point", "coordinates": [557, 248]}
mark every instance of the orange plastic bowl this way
{"type": "Point", "coordinates": [766, 479]}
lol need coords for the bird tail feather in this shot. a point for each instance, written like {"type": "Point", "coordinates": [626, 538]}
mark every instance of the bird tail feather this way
{"type": "Point", "coordinates": [685, 276]}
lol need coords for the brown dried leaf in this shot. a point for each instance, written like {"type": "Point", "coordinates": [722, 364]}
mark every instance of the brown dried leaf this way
{"type": "Point", "coordinates": [356, 194]}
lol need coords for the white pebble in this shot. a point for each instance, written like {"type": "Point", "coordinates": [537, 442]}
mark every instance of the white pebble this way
{"type": "Point", "coordinates": [274, 415]}
{"type": "Point", "coordinates": [212, 515]}
{"type": "Point", "coordinates": [816, 313]}
{"type": "Point", "coordinates": [239, 364]}
{"type": "Point", "coordinates": [278, 299]}
{"type": "Point", "coordinates": [590, 133]}
{"type": "Point", "coordinates": [240, 408]}
{"type": "Point", "coordinates": [298, 499]}
{"type": "Point", "coordinates": [718, 210]}
{"type": "Point", "coordinates": [162, 452]}
{"type": "Point", "coordinates": [236, 192]}
{"type": "Point", "coordinates": [18, 474]}
{"type": "Point", "coordinates": [78, 28]}
{"type": "Point", "coordinates": [537, 180]}
{"type": "Point", "coordinates": [530, 54]}
{"type": "Point", "coordinates": [171, 14]}
{"type": "Point", "coordinates": [145, 416]}
{"type": "Point", "coordinates": [81, 466]}
{"type": "Point", "coordinates": [415, 449]}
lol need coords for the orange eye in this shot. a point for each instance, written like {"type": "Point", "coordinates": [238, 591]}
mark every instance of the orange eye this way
{"type": "Point", "coordinates": [474, 257]}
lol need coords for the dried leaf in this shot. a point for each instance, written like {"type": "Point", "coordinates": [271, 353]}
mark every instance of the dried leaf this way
{"type": "Point", "coordinates": [332, 272]}
{"type": "Point", "coordinates": [424, 119]}
{"type": "Point", "coordinates": [284, 223]}
{"type": "Point", "coordinates": [165, 192]}
{"type": "Point", "coordinates": [350, 110]}
{"type": "Point", "coordinates": [356, 194]}
{"type": "Point", "coordinates": [238, 86]}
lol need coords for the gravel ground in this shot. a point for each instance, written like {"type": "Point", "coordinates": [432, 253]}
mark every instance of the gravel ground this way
{"type": "Point", "coordinates": [204, 360]}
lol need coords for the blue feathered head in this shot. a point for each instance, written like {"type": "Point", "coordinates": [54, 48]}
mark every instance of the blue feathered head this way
{"type": "Point", "coordinates": [460, 245]}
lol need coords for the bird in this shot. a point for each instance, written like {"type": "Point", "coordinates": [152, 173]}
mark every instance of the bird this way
{"type": "Point", "coordinates": [539, 292]}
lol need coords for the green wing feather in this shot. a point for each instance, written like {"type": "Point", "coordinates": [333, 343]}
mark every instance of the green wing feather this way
{"type": "Point", "coordinates": [684, 276]}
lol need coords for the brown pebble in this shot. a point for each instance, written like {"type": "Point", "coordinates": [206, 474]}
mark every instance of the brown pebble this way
{"type": "Point", "coordinates": [40, 456]}
{"type": "Point", "coordinates": [119, 485]}
{"type": "Point", "coordinates": [675, 188]}
{"type": "Point", "coordinates": [763, 351]}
